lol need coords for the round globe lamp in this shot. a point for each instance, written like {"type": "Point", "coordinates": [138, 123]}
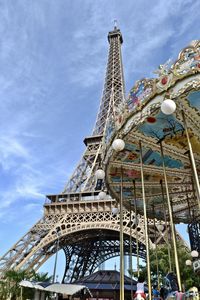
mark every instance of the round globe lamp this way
{"type": "Point", "coordinates": [168, 107]}
{"type": "Point", "coordinates": [194, 254]}
{"type": "Point", "coordinates": [160, 227]}
{"type": "Point", "coordinates": [100, 174]}
{"type": "Point", "coordinates": [188, 262]}
{"type": "Point", "coordinates": [102, 195]}
{"type": "Point", "coordinates": [118, 145]}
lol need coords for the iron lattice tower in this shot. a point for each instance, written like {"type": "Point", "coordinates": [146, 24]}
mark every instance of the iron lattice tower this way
{"type": "Point", "coordinates": [76, 220]}
{"type": "Point", "coordinates": [113, 97]}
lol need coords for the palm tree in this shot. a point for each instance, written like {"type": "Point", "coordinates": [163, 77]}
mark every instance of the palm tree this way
{"type": "Point", "coordinates": [41, 277]}
{"type": "Point", "coordinates": [10, 288]}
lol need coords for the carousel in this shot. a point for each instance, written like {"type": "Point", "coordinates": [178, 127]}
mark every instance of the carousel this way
{"type": "Point", "coordinates": [152, 152]}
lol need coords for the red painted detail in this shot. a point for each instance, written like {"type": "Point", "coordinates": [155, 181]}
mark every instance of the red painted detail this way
{"type": "Point", "coordinates": [164, 80]}
{"type": "Point", "coordinates": [151, 119]}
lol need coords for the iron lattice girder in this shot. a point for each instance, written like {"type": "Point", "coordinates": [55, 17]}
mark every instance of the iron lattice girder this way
{"type": "Point", "coordinates": [113, 96]}
{"type": "Point", "coordinates": [83, 178]}
{"type": "Point", "coordinates": [194, 235]}
{"type": "Point", "coordinates": [82, 217]}
{"type": "Point", "coordinates": [78, 211]}
{"type": "Point", "coordinates": [91, 253]}
{"type": "Point", "coordinates": [23, 247]}
{"type": "Point", "coordinates": [113, 86]}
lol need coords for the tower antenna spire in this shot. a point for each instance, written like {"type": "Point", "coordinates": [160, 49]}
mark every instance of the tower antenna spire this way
{"type": "Point", "coordinates": [115, 24]}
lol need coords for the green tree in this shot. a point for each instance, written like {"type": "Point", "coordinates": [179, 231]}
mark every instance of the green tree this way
{"type": "Point", "coordinates": [3, 290]}
{"type": "Point", "coordinates": [188, 277]}
{"type": "Point", "coordinates": [10, 288]}
{"type": "Point", "coordinates": [41, 277]}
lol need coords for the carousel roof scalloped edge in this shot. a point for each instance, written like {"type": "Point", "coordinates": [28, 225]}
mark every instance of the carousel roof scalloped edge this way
{"type": "Point", "coordinates": [169, 74]}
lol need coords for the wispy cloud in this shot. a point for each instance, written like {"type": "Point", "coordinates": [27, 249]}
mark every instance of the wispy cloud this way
{"type": "Point", "coordinates": [10, 149]}
{"type": "Point", "coordinates": [157, 34]}
{"type": "Point", "coordinates": [52, 59]}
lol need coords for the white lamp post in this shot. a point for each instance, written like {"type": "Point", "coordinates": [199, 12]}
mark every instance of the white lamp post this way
{"type": "Point", "coordinates": [118, 145]}
{"type": "Point", "coordinates": [56, 257]}
{"type": "Point", "coordinates": [168, 107]}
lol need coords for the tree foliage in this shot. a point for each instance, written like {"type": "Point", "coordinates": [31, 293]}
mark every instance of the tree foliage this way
{"type": "Point", "coordinates": [10, 288]}
{"type": "Point", "coordinates": [188, 277]}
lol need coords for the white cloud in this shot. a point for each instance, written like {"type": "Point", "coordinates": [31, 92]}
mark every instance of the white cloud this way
{"type": "Point", "coordinates": [50, 54]}
{"type": "Point", "coordinates": [32, 206]}
{"type": "Point", "coordinates": [10, 146]}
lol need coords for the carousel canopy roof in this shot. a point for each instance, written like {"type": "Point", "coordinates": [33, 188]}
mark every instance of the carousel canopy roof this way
{"type": "Point", "coordinates": [141, 120]}
{"type": "Point", "coordinates": [107, 280]}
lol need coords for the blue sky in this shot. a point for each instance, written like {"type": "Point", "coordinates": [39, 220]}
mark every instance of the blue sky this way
{"type": "Point", "coordinates": [53, 55]}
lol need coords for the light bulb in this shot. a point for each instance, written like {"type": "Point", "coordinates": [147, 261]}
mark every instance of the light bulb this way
{"type": "Point", "coordinates": [168, 107]}
{"type": "Point", "coordinates": [100, 174]}
{"type": "Point", "coordinates": [118, 145]}
{"type": "Point", "coordinates": [102, 195]}
{"type": "Point", "coordinates": [188, 262]}
{"type": "Point", "coordinates": [160, 227]}
{"type": "Point", "coordinates": [194, 253]}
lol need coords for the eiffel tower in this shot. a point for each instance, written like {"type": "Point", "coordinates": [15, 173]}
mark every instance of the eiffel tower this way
{"type": "Point", "coordinates": [84, 225]}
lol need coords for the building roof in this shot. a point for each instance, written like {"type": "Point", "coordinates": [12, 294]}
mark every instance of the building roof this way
{"type": "Point", "coordinates": [106, 280]}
